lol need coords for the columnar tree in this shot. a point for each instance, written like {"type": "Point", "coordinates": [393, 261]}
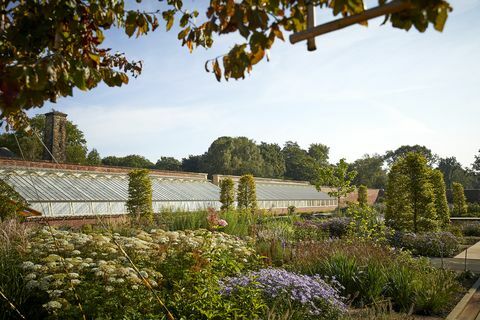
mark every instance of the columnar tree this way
{"type": "Point", "coordinates": [139, 203]}
{"type": "Point", "coordinates": [410, 195]}
{"type": "Point", "coordinates": [459, 200]}
{"type": "Point", "coordinates": [227, 194]}
{"type": "Point", "coordinates": [362, 196]}
{"type": "Point", "coordinates": [441, 204]}
{"type": "Point", "coordinates": [246, 194]}
{"type": "Point", "coordinates": [339, 178]}
{"type": "Point", "coordinates": [399, 212]}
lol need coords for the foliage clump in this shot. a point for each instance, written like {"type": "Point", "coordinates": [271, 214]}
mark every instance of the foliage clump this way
{"type": "Point", "coordinates": [362, 196]}
{"type": "Point", "coordinates": [365, 223]}
{"type": "Point", "coordinates": [139, 203]}
{"type": "Point", "coordinates": [246, 194]}
{"type": "Point", "coordinates": [339, 178]}
{"type": "Point", "coordinates": [227, 194]}
{"type": "Point", "coordinates": [412, 197]}
{"type": "Point", "coordinates": [10, 202]}
{"type": "Point", "coordinates": [460, 207]}
{"type": "Point", "coordinates": [309, 297]}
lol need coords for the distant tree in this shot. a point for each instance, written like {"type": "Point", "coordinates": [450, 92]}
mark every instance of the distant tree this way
{"type": "Point", "coordinates": [370, 171]}
{"type": "Point", "coordinates": [410, 183]}
{"type": "Point", "coordinates": [131, 161]}
{"type": "Point", "coordinates": [439, 191]}
{"type": "Point", "coordinates": [227, 194]}
{"type": "Point", "coordinates": [139, 203]}
{"type": "Point", "coordinates": [246, 194]}
{"type": "Point", "coordinates": [168, 163]}
{"type": "Point", "coordinates": [319, 152]}
{"type": "Point", "coordinates": [450, 168]}
{"type": "Point", "coordinates": [459, 201]}
{"type": "Point", "coordinates": [234, 156]}
{"type": "Point", "coordinates": [194, 163]}
{"type": "Point", "coordinates": [393, 156]}
{"type": "Point", "coordinates": [94, 158]}
{"type": "Point", "coordinates": [32, 147]}
{"type": "Point", "coordinates": [339, 178]}
{"type": "Point", "coordinates": [299, 165]}
{"type": "Point", "coordinates": [362, 196]}
{"type": "Point", "coordinates": [476, 171]}
{"type": "Point", "coordinates": [273, 159]}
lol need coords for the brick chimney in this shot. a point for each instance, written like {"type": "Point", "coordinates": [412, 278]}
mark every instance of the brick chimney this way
{"type": "Point", "coordinates": [55, 136]}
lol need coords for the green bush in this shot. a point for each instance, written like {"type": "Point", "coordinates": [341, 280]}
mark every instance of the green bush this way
{"type": "Point", "coordinates": [10, 202]}
{"type": "Point", "coordinates": [372, 273]}
{"type": "Point", "coordinates": [227, 194]}
{"type": "Point", "coordinates": [182, 267]}
{"type": "Point", "coordinates": [473, 209]}
{"type": "Point", "coordinates": [246, 194]}
{"type": "Point", "coordinates": [460, 207]}
{"type": "Point", "coordinates": [139, 203]}
{"type": "Point", "coordinates": [471, 229]}
{"type": "Point", "coordinates": [430, 244]}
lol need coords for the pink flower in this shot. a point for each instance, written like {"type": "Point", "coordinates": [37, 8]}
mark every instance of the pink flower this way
{"type": "Point", "coordinates": [222, 223]}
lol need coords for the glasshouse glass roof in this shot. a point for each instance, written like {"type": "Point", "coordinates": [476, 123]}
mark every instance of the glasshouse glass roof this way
{"type": "Point", "coordinates": [277, 191]}
{"type": "Point", "coordinates": [67, 190]}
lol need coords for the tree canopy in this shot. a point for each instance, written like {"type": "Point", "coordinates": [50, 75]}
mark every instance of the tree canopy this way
{"type": "Point", "coordinates": [393, 156]}
{"type": "Point", "coordinates": [168, 163]}
{"type": "Point", "coordinates": [132, 161]}
{"type": "Point", "coordinates": [370, 171]}
{"type": "Point", "coordinates": [234, 156]}
{"type": "Point", "coordinates": [48, 48]}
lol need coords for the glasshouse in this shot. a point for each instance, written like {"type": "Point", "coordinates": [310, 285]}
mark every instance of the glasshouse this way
{"type": "Point", "coordinates": [58, 190]}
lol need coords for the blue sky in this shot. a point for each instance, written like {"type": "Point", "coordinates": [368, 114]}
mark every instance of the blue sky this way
{"type": "Point", "coordinates": [365, 90]}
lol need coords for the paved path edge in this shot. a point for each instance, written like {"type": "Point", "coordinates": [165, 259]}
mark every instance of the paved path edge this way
{"type": "Point", "coordinates": [463, 302]}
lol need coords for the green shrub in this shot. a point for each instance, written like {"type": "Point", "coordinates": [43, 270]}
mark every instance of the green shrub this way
{"type": "Point", "coordinates": [179, 265]}
{"type": "Point", "coordinates": [362, 196]}
{"type": "Point", "coordinates": [365, 223]}
{"type": "Point", "coordinates": [139, 203]}
{"type": "Point", "coordinates": [473, 209]}
{"type": "Point", "coordinates": [436, 290]}
{"type": "Point", "coordinates": [471, 229]}
{"type": "Point", "coordinates": [13, 283]}
{"type": "Point", "coordinates": [346, 271]}
{"type": "Point", "coordinates": [10, 202]}
{"type": "Point", "coordinates": [246, 194]}
{"type": "Point", "coordinates": [431, 244]}
{"type": "Point", "coordinates": [402, 286]}
{"type": "Point", "coordinates": [460, 207]}
{"type": "Point", "coordinates": [371, 273]}
{"type": "Point", "coordinates": [227, 194]}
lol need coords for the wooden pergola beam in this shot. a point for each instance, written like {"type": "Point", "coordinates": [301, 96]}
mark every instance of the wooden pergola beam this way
{"type": "Point", "coordinates": [389, 8]}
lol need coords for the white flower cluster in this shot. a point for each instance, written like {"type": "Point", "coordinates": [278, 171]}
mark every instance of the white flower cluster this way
{"type": "Point", "coordinates": [61, 260]}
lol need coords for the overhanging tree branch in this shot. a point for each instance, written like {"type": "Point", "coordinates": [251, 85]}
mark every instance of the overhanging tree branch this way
{"type": "Point", "coordinates": [393, 7]}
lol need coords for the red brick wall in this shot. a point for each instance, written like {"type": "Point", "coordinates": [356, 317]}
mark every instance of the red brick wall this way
{"type": "Point", "coordinates": [7, 162]}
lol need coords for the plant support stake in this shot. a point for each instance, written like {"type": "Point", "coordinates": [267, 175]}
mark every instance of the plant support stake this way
{"type": "Point", "coordinates": [311, 32]}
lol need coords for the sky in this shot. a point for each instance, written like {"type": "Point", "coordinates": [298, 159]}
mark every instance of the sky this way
{"type": "Point", "coordinates": [365, 90]}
